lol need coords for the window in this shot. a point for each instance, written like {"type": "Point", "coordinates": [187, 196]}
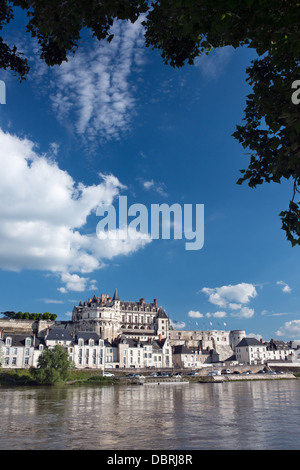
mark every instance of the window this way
{"type": "Point", "coordinates": [26, 362]}
{"type": "Point", "coordinates": [27, 351]}
{"type": "Point", "coordinates": [8, 341]}
{"type": "Point", "coordinates": [15, 351]}
{"type": "Point", "coordinates": [28, 342]}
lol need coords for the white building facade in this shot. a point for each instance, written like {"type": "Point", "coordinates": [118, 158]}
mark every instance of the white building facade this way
{"type": "Point", "coordinates": [20, 351]}
{"type": "Point", "coordinates": [251, 351]}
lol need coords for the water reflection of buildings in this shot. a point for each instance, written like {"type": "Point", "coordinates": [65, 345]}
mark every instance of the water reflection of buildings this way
{"type": "Point", "coordinates": [193, 416]}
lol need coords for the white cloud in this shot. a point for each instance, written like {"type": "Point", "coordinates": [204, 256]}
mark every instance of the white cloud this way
{"type": "Point", "coordinates": [234, 306]}
{"type": "Point", "coordinates": [158, 187]}
{"type": "Point", "coordinates": [177, 325]}
{"type": "Point", "coordinates": [42, 211]}
{"type": "Point", "coordinates": [94, 85]}
{"type": "Point", "coordinates": [226, 295]}
{"type": "Point", "coordinates": [213, 64]}
{"type": "Point", "coordinates": [290, 329]}
{"type": "Point", "coordinates": [245, 312]}
{"type": "Point", "coordinates": [52, 301]}
{"type": "Point", "coordinates": [194, 314]}
{"type": "Point", "coordinates": [219, 314]}
{"type": "Point", "coordinates": [62, 290]}
{"type": "Point", "coordinates": [285, 287]}
{"type": "Point", "coordinates": [74, 282]}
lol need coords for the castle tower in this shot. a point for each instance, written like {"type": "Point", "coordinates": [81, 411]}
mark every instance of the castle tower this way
{"type": "Point", "coordinates": [235, 336]}
{"type": "Point", "coordinates": [161, 323]}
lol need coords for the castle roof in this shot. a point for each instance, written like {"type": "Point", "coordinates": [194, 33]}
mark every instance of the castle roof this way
{"type": "Point", "coordinates": [116, 295]}
{"type": "Point", "coordinates": [161, 313]}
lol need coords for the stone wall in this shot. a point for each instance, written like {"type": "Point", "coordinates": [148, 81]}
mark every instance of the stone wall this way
{"type": "Point", "coordinates": [38, 327]}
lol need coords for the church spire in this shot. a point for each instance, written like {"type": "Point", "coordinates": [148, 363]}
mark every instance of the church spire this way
{"type": "Point", "coordinates": [116, 295]}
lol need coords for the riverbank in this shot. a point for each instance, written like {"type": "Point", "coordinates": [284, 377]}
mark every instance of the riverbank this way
{"type": "Point", "coordinates": [22, 377]}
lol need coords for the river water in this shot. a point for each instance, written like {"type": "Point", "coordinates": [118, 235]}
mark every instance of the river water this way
{"type": "Point", "coordinates": [239, 415]}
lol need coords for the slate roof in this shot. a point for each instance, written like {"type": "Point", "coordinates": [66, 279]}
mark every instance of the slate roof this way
{"type": "Point", "coordinates": [249, 342]}
{"type": "Point", "coordinates": [116, 295]}
{"type": "Point", "coordinates": [87, 335]}
{"type": "Point", "coordinates": [59, 334]}
{"type": "Point", "coordinates": [18, 340]}
{"type": "Point", "coordinates": [161, 313]}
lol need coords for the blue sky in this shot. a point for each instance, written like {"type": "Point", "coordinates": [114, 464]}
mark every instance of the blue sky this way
{"type": "Point", "coordinates": [116, 121]}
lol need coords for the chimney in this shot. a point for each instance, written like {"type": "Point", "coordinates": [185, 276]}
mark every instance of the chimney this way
{"type": "Point", "coordinates": [142, 301]}
{"type": "Point", "coordinates": [34, 337]}
{"type": "Point", "coordinates": [159, 337]}
{"type": "Point", "coordinates": [155, 303]}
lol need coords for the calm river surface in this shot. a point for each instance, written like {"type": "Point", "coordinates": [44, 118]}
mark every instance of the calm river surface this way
{"type": "Point", "coordinates": [241, 415]}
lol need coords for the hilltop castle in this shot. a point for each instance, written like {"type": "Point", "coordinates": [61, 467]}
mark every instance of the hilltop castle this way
{"type": "Point", "coordinates": [111, 318]}
{"type": "Point", "coordinates": [126, 333]}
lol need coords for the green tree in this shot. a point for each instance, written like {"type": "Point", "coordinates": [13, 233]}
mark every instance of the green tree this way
{"type": "Point", "coordinates": [182, 30]}
{"type": "Point", "coordinates": [9, 314]}
{"type": "Point", "coordinates": [53, 366]}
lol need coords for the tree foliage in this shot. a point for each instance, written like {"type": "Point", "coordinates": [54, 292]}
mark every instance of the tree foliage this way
{"type": "Point", "coordinates": [182, 30]}
{"type": "Point", "coordinates": [53, 366]}
{"type": "Point", "coordinates": [29, 316]}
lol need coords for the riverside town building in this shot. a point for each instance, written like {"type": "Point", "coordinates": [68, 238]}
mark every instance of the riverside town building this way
{"type": "Point", "coordinates": [108, 333]}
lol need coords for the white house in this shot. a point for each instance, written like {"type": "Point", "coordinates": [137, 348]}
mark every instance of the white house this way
{"type": "Point", "coordinates": [278, 351]}
{"type": "Point", "coordinates": [87, 350]}
{"type": "Point", "coordinates": [19, 351]}
{"type": "Point", "coordinates": [184, 357]}
{"type": "Point", "coordinates": [251, 351]}
{"type": "Point", "coordinates": [136, 354]}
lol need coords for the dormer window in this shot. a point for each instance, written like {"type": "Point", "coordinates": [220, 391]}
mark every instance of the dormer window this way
{"type": "Point", "coordinates": [80, 342]}
{"type": "Point", "coordinates": [28, 342]}
{"type": "Point", "coordinates": [8, 342]}
{"type": "Point", "coordinates": [91, 342]}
